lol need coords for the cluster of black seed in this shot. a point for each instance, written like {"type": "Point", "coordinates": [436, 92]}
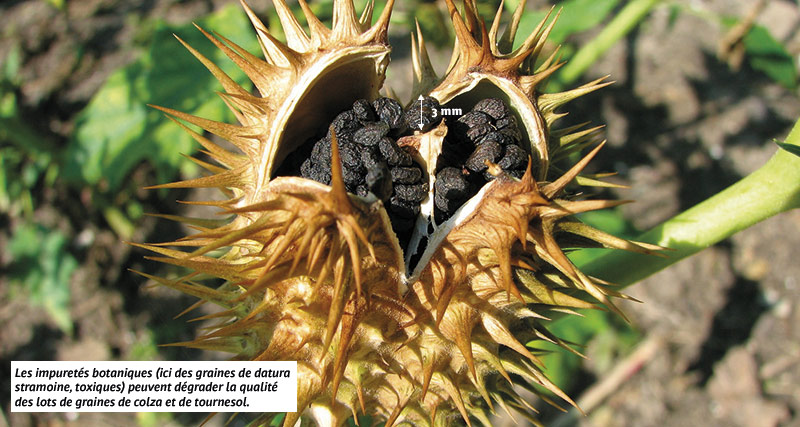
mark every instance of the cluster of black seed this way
{"type": "Point", "coordinates": [487, 133]}
{"type": "Point", "coordinates": [372, 162]}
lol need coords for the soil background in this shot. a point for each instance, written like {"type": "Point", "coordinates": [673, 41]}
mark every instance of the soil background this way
{"type": "Point", "coordinates": [722, 328]}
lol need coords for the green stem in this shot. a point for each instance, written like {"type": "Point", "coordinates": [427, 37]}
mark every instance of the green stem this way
{"type": "Point", "coordinates": [772, 189]}
{"type": "Point", "coordinates": [621, 25]}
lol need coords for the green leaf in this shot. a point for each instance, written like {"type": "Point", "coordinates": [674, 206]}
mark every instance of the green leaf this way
{"type": "Point", "coordinates": [42, 266]}
{"type": "Point", "coordinates": [576, 16]}
{"type": "Point", "coordinates": [794, 149]}
{"type": "Point", "coordinates": [768, 55]}
{"type": "Point", "coordinates": [117, 131]}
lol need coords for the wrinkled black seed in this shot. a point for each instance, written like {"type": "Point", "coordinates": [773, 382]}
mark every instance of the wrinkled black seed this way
{"type": "Point", "coordinates": [312, 171]}
{"type": "Point", "coordinates": [451, 183]}
{"type": "Point", "coordinates": [315, 172]}
{"type": "Point", "coordinates": [352, 177]}
{"type": "Point", "coordinates": [490, 151]}
{"type": "Point", "coordinates": [371, 133]}
{"type": "Point", "coordinates": [475, 118]}
{"type": "Point", "coordinates": [424, 112]}
{"type": "Point", "coordinates": [497, 137]}
{"type": "Point", "coordinates": [513, 133]}
{"type": "Point", "coordinates": [389, 111]}
{"type": "Point", "coordinates": [363, 111]}
{"type": "Point", "coordinates": [493, 107]}
{"type": "Point", "coordinates": [513, 158]}
{"type": "Point", "coordinates": [370, 157]}
{"type": "Point", "coordinates": [393, 154]}
{"type": "Point", "coordinates": [321, 153]}
{"type": "Point", "coordinates": [506, 122]}
{"type": "Point", "coordinates": [324, 166]}
{"type": "Point", "coordinates": [403, 208]}
{"type": "Point", "coordinates": [344, 124]}
{"type": "Point", "coordinates": [451, 190]}
{"type": "Point", "coordinates": [477, 132]}
{"type": "Point", "coordinates": [447, 206]}
{"type": "Point", "coordinates": [321, 177]}
{"type": "Point", "coordinates": [379, 181]}
{"type": "Point", "coordinates": [410, 175]}
{"type": "Point", "coordinates": [508, 126]}
{"type": "Point", "coordinates": [411, 193]}
{"type": "Point", "coordinates": [351, 156]}
{"type": "Point", "coordinates": [306, 168]}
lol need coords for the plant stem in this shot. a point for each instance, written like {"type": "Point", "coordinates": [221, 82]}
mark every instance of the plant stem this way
{"type": "Point", "coordinates": [621, 25]}
{"type": "Point", "coordinates": [772, 189]}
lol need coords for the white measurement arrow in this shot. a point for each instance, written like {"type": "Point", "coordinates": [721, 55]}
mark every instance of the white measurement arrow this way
{"type": "Point", "coordinates": [421, 124]}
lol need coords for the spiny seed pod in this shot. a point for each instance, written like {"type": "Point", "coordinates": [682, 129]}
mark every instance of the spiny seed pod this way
{"type": "Point", "coordinates": [406, 274]}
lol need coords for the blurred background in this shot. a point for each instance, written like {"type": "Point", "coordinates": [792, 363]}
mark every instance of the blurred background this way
{"type": "Point", "coordinates": [703, 88]}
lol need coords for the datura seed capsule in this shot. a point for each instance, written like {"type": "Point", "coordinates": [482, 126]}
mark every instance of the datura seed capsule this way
{"type": "Point", "coordinates": [406, 259]}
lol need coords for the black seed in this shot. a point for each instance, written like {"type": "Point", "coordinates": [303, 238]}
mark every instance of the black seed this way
{"type": "Point", "coordinates": [475, 118]}
{"type": "Point", "coordinates": [352, 178]}
{"type": "Point", "coordinates": [371, 133]}
{"type": "Point", "coordinates": [325, 166]}
{"type": "Point", "coordinates": [344, 124]}
{"type": "Point", "coordinates": [447, 206]}
{"type": "Point", "coordinates": [493, 107]}
{"type": "Point", "coordinates": [508, 126]}
{"type": "Point", "coordinates": [451, 184]}
{"type": "Point", "coordinates": [306, 168]}
{"type": "Point", "coordinates": [514, 158]}
{"type": "Point", "coordinates": [451, 191]}
{"type": "Point", "coordinates": [425, 112]}
{"type": "Point", "coordinates": [389, 111]}
{"type": "Point", "coordinates": [393, 154]}
{"type": "Point", "coordinates": [513, 133]}
{"type": "Point", "coordinates": [363, 111]}
{"type": "Point", "coordinates": [401, 175]}
{"type": "Point", "coordinates": [321, 153]}
{"type": "Point", "coordinates": [411, 193]}
{"type": "Point", "coordinates": [497, 137]}
{"type": "Point", "coordinates": [321, 177]}
{"type": "Point", "coordinates": [312, 171]}
{"type": "Point", "coordinates": [379, 181]}
{"type": "Point", "coordinates": [351, 156]}
{"type": "Point", "coordinates": [370, 157]}
{"type": "Point", "coordinates": [477, 132]}
{"type": "Point", "coordinates": [490, 151]}
{"type": "Point", "coordinates": [402, 208]}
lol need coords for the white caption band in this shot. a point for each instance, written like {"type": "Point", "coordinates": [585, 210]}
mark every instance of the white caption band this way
{"type": "Point", "coordinates": [153, 386]}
